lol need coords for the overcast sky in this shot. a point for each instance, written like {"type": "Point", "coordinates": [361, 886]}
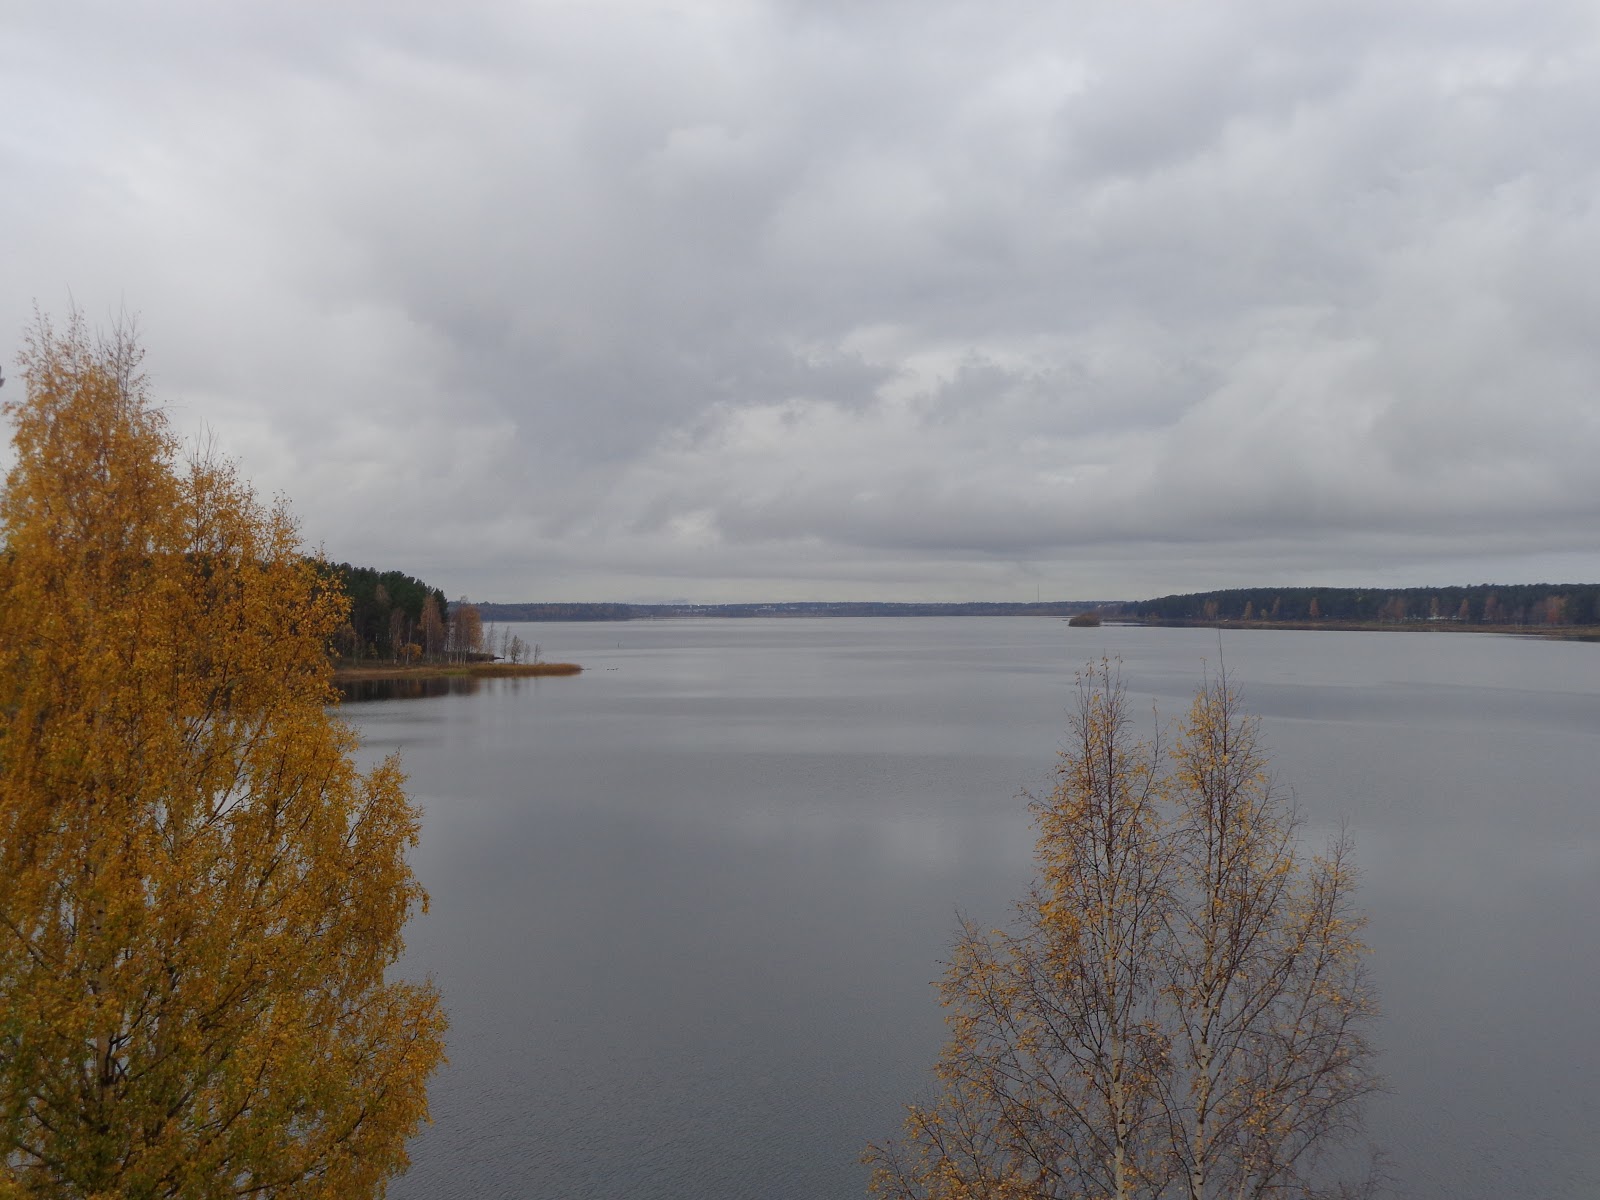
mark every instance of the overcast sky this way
{"type": "Point", "coordinates": [845, 299]}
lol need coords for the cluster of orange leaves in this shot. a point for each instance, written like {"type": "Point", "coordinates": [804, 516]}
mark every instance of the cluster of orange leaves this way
{"type": "Point", "coordinates": [200, 894]}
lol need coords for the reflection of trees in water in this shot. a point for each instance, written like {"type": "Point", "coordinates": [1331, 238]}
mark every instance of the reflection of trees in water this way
{"type": "Point", "coordinates": [408, 689]}
{"type": "Point", "coordinates": [418, 689]}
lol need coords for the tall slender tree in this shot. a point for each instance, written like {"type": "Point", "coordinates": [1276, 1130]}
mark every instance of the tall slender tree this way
{"type": "Point", "coordinates": [1264, 991]}
{"type": "Point", "coordinates": [199, 893]}
{"type": "Point", "coordinates": [465, 637]}
{"type": "Point", "coordinates": [433, 627]}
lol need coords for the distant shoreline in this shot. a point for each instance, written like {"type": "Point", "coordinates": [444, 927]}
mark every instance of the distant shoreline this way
{"type": "Point", "coordinates": [1558, 633]}
{"type": "Point", "coordinates": [377, 672]}
{"type": "Point", "coordinates": [1564, 612]}
{"type": "Point", "coordinates": [1109, 617]}
{"type": "Point", "coordinates": [490, 611]}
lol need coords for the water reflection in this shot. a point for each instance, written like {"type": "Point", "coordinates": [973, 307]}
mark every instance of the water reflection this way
{"type": "Point", "coordinates": [407, 689]}
{"type": "Point", "coordinates": [687, 905]}
{"type": "Point", "coordinates": [361, 690]}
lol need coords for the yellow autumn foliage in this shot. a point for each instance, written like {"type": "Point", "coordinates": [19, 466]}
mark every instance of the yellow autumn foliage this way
{"type": "Point", "coordinates": [199, 892]}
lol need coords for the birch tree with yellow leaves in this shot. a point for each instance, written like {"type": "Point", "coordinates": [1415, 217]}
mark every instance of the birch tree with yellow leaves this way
{"type": "Point", "coordinates": [200, 894]}
{"type": "Point", "coordinates": [1180, 1008]}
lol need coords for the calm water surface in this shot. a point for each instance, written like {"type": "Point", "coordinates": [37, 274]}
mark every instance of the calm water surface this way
{"type": "Point", "coordinates": [686, 906]}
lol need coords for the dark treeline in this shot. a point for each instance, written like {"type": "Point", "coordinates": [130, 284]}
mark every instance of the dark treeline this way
{"type": "Point", "coordinates": [557, 612]}
{"type": "Point", "coordinates": [1525, 604]}
{"type": "Point", "coordinates": [392, 615]}
{"type": "Point", "coordinates": [1480, 604]}
{"type": "Point", "coordinates": [799, 608]}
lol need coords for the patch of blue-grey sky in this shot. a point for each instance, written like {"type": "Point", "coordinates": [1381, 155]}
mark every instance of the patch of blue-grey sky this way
{"type": "Point", "coordinates": [745, 299]}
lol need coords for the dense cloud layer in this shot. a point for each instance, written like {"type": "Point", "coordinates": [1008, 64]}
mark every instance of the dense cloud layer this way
{"type": "Point", "coordinates": [614, 300]}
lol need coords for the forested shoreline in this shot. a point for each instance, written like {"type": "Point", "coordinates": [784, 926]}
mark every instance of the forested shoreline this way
{"type": "Point", "coordinates": [390, 613]}
{"type": "Point", "coordinates": [1569, 606]}
{"type": "Point", "coordinates": [566, 611]}
{"type": "Point", "coordinates": [1486, 604]}
{"type": "Point", "coordinates": [396, 622]}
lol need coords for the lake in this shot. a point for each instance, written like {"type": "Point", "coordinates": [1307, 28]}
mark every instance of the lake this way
{"type": "Point", "coordinates": [687, 906]}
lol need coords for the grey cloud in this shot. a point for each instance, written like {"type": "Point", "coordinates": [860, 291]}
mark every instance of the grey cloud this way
{"type": "Point", "coordinates": [719, 301]}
